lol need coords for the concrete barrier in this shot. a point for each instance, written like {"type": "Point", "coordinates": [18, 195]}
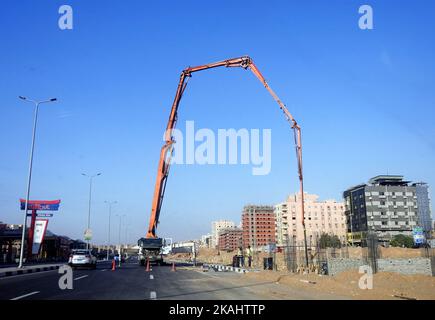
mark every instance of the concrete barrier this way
{"type": "Point", "coordinates": [219, 267]}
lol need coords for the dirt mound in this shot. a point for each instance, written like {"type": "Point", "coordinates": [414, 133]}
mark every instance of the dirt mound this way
{"type": "Point", "coordinates": [386, 285]}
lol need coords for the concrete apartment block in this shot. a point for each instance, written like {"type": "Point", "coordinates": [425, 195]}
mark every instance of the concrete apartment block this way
{"type": "Point", "coordinates": [320, 217]}
{"type": "Point", "coordinates": [388, 206]}
{"type": "Point", "coordinates": [217, 226]}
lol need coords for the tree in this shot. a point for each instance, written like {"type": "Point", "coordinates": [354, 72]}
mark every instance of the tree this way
{"type": "Point", "coordinates": [401, 240]}
{"type": "Point", "coordinates": [329, 241]}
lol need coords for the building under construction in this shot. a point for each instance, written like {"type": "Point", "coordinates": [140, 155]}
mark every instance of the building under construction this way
{"type": "Point", "coordinates": [258, 223]}
{"type": "Point", "coordinates": [230, 239]}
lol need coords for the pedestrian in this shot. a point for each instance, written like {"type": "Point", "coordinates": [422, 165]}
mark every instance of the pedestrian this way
{"type": "Point", "coordinates": [249, 256]}
{"type": "Point", "coordinates": [240, 257]}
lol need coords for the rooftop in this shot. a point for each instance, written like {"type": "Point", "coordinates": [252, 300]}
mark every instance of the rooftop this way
{"type": "Point", "coordinates": [389, 180]}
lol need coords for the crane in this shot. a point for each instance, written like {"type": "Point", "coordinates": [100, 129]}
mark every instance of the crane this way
{"type": "Point", "coordinates": [151, 240]}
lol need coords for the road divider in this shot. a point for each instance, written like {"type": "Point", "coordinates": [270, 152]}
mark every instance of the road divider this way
{"type": "Point", "coordinates": [13, 271]}
{"type": "Point", "coordinates": [222, 268]}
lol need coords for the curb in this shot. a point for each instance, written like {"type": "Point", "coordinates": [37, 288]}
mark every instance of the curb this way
{"type": "Point", "coordinates": [219, 267]}
{"type": "Point", "coordinates": [26, 271]}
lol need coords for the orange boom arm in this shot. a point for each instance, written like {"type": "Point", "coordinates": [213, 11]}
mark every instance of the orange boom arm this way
{"type": "Point", "coordinates": [166, 151]}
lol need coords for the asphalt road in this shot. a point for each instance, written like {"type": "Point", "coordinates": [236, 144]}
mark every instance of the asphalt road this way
{"type": "Point", "coordinates": [132, 282]}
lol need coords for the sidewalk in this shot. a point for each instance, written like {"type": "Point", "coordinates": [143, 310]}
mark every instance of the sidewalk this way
{"type": "Point", "coordinates": [12, 271]}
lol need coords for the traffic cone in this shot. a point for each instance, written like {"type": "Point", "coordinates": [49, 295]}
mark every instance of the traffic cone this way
{"type": "Point", "coordinates": [113, 265]}
{"type": "Point", "coordinates": [148, 265]}
{"type": "Point", "coordinates": [173, 267]}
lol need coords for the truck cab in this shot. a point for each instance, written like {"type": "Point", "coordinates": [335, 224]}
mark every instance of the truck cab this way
{"type": "Point", "coordinates": [151, 249]}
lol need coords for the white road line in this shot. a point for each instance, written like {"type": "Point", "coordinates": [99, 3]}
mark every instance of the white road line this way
{"type": "Point", "coordinates": [25, 295]}
{"type": "Point", "coordinates": [153, 295]}
{"type": "Point", "coordinates": [26, 274]}
{"type": "Point", "coordinates": [103, 270]}
{"type": "Point", "coordinates": [81, 277]}
{"type": "Point", "coordinates": [151, 277]}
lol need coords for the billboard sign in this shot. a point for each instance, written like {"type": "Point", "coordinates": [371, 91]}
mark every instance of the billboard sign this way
{"type": "Point", "coordinates": [45, 205]}
{"type": "Point", "coordinates": [418, 235]}
{"type": "Point", "coordinates": [38, 235]}
{"type": "Point", "coordinates": [88, 234]}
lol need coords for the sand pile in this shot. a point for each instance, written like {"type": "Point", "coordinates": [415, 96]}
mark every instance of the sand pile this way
{"type": "Point", "coordinates": [386, 285]}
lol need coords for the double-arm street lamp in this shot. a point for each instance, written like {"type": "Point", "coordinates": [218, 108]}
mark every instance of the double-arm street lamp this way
{"type": "Point", "coordinates": [110, 214]}
{"type": "Point", "coordinates": [29, 178]}
{"type": "Point", "coordinates": [90, 197]}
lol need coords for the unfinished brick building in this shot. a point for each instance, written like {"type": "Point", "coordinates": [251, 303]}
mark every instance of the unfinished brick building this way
{"type": "Point", "coordinates": [258, 223]}
{"type": "Point", "coordinates": [230, 239]}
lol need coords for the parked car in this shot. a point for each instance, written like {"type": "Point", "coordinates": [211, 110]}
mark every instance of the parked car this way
{"type": "Point", "coordinates": [82, 258]}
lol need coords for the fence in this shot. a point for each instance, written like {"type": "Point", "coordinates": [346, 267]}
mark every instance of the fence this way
{"type": "Point", "coordinates": [429, 253]}
{"type": "Point", "coordinates": [317, 255]}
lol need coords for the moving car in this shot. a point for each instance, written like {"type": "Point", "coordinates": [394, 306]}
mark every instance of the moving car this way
{"type": "Point", "coordinates": [82, 258]}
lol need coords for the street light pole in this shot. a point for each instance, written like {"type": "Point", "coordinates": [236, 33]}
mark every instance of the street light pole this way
{"type": "Point", "coordinates": [110, 214]}
{"type": "Point", "coordinates": [90, 197]}
{"type": "Point", "coordinates": [29, 178]}
{"type": "Point", "coordinates": [119, 236]}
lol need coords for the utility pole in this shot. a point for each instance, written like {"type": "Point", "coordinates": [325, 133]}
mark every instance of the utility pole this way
{"type": "Point", "coordinates": [90, 197]}
{"type": "Point", "coordinates": [108, 235]}
{"type": "Point", "coordinates": [119, 236]}
{"type": "Point", "coordinates": [29, 177]}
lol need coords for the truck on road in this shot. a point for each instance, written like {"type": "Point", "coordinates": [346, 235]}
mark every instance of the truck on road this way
{"type": "Point", "coordinates": [150, 249]}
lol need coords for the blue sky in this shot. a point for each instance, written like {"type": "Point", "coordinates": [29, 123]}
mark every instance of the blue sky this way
{"type": "Point", "coordinates": [364, 99]}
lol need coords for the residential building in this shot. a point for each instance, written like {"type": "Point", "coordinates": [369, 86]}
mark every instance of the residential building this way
{"type": "Point", "coordinates": [387, 205]}
{"type": "Point", "coordinates": [206, 240]}
{"type": "Point", "coordinates": [216, 226]}
{"type": "Point", "coordinates": [320, 217]}
{"type": "Point", "coordinates": [423, 208]}
{"type": "Point", "coordinates": [230, 239]}
{"type": "Point", "coordinates": [258, 226]}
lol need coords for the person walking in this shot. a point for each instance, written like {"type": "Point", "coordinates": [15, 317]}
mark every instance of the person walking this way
{"type": "Point", "coordinates": [249, 256]}
{"type": "Point", "coordinates": [240, 257]}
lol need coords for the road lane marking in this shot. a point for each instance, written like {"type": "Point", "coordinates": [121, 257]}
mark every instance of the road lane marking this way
{"type": "Point", "coordinates": [151, 277]}
{"type": "Point", "coordinates": [27, 274]}
{"type": "Point", "coordinates": [103, 270]}
{"type": "Point", "coordinates": [153, 295]}
{"type": "Point", "coordinates": [81, 277]}
{"type": "Point", "coordinates": [25, 295]}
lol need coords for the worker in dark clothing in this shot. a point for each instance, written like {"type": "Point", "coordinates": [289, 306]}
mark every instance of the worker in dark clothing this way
{"type": "Point", "coordinates": [240, 256]}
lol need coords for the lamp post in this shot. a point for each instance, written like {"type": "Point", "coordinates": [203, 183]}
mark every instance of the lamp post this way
{"type": "Point", "coordinates": [90, 196]}
{"type": "Point", "coordinates": [29, 178]}
{"type": "Point", "coordinates": [119, 235]}
{"type": "Point", "coordinates": [110, 214]}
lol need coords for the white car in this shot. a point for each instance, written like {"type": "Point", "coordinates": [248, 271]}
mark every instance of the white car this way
{"type": "Point", "coordinates": [82, 258]}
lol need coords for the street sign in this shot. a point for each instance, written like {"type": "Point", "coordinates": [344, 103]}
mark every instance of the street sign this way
{"type": "Point", "coordinates": [88, 234]}
{"type": "Point", "coordinates": [418, 235]}
{"type": "Point", "coordinates": [38, 236]}
{"type": "Point", "coordinates": [44, 205]}
{"type": "Point", "coordinates": [45, 215]}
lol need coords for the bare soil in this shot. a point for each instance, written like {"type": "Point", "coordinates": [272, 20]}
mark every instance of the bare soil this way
{"type": "Point", "coordinates": [386, 285]}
